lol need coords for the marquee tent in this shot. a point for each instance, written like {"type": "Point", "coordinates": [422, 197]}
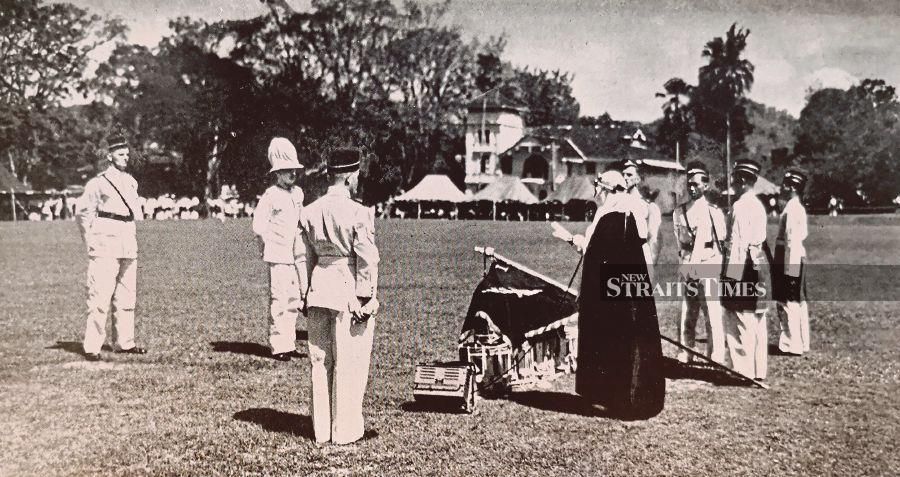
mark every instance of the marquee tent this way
{"type": "Point", "coordinates": [507, 188]}
{"type": "Point", "coordinates": [574, 187]}
{"type": "Point", "coordinates": [433, 187]}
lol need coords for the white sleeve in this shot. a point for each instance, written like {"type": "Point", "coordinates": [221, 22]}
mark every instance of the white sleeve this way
{"type": "Point", "coordinates": [261, 216]}
{"type": "Point", "coordinates": [738, 249]}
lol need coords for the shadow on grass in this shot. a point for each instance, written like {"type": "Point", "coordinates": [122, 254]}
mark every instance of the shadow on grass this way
{"type": "Point", "coordinates": [74, 347]}
{"type": "Point", "coordinates": [252, 349]}
{"type": "Point", "coordinates": [438, 407]}
{"type": "Point", "coordinates": [774, 351]}
{"type": "Point", "coordinates": [558, 402]}
{"type": "Point", "coordinates": [674, 369]}
{"type": "Point", "coordinates": [278, 421]}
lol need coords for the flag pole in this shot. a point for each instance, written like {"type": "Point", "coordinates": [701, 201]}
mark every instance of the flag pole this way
{"type": "Point", "coordinates": [728, 370]}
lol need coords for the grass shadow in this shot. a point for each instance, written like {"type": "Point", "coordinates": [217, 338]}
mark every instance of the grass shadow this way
{"type": "Point", "coordinates": [775, 351]}
{"type": "Point", "coordinates": [558, 402]}
{"type": "Point", "coordinates": [252, 349]}
{"type": "Point", "coordinates": [278, 421]}
{"type": "Point", "coordinates": [438, 407]}
{"type": "Point", "coordinates": [74, 347]}
{"type": "Point", "coordinates": [674, 369]}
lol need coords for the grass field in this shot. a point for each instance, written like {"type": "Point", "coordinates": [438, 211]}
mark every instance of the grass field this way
{"type": "Point", "coordinates": [207, 401]}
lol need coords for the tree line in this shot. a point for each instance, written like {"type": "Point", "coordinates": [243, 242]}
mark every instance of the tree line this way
{"type": "Point", "coordinates": [201, 105]}
{"type": "Point", "coordinates": [848, 140]}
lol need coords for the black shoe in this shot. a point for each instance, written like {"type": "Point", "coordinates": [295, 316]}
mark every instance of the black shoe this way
{"type": "Point", "coordinates": [135, 350]}
{"type": "Point", "coordinates": [282, 356]}
{"type": "Point", "coordinates": [370, 434]}
{"type": "Point", "coordinates": [92, 357]}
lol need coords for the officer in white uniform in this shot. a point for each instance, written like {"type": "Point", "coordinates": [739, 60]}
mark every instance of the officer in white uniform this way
{"type": "Point", "coordinates": [747, 264]}
{"type": "Point", "coordinates": [645, 212]}
{"type": "Point", "coordinates": [275, 225]}
{"type": "Point", "coordinates": [106, 215]}
{"type": "Point", "coordinates": [790, 257]}
{"type": "Point", "coordinates": [342, 260]}
{"type": "Point", "coordinates": [700, 231]}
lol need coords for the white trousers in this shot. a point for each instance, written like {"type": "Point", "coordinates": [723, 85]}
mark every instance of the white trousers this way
{"type": "Point", "coordinates": [111, 285]}
{"type": "Point", "coordinates": [339, 355]}
{"type": "Point", "coordinates": [794, 320]}
{"type": "Point", "coordinates": [284, 307]}
{"type": "Point", "coordinates": [715, 328]}
{"type": "Point", "coordinates": [748, 342]}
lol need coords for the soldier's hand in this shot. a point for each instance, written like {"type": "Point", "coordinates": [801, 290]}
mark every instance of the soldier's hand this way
{"type": "Point", "coordinates": [370, 308]}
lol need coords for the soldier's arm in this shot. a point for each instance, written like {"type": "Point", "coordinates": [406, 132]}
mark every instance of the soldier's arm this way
{"type": "Point", "coordinates": [366, 255]}
{"type": "Point", "coordinates": [681, 232]}
{"type": "Point", "coordinates": [736, 250]}
{"type": "Point", "coordinates": [260, 224]}
{"type": "Point", "coordinates": [86, 207]}
{"type": "Point", "coordinates": [654, 220]}
{"type": "Point", "coordinates": [139, 208]}
{"type": "Point", "coordinates": [305, 258]}
{"type": "Point", "coordinates": [795, 233]}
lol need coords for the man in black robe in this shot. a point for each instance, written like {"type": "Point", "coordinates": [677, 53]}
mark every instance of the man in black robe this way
{"type": "Point", "coordinates": [619, 351]}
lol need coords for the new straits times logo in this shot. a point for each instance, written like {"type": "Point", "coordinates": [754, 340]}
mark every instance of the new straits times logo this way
{"type": "Point", "coordinates": [637, 285]}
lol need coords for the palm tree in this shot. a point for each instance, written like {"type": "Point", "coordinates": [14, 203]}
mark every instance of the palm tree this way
{"type": "Point", "coordinates": [676, 111]}
{"type": "Point", "coordinates": [725, 79]}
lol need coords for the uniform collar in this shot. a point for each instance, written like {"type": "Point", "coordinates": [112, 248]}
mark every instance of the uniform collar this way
{"type": "Point", "coordinates": [112, 170]}
{"type": "Point", "coordinates": [338, 190]}
{"type": "Point", "coordinates": [700, 200]}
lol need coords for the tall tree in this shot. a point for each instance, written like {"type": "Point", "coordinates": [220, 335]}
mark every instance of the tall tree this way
{"type": "Point", "coordinates": [849, 140]}
{"type": "Point", "coordinates": [431, 69]}
{"type": "Point", "coordinates": [677, 120]}
{"type": "Point", "coordinates": [181, 104]}
{"type": "Point", "coordinates": [44, 50]}
{"type": "Point", "coordinates": [547, 94]}
{"type": "Point", "coordinates": [725, 79]}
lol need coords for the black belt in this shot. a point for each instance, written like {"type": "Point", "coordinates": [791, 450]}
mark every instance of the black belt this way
{"type": "Point", "coordinates": [688, 248]}
{"type": "Point", "coordinates": [110, 215]}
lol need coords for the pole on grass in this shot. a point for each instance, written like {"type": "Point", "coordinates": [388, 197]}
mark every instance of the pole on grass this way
{"type": "Point", "coordinates": [728, 370]}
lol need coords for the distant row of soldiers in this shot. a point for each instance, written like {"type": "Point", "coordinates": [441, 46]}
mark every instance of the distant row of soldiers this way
{"type": "Point", "coordinates": [737, 253]}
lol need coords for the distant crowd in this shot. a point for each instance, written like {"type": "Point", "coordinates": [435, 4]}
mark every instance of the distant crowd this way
{"type": "Point", "coordinates": [164, 207]}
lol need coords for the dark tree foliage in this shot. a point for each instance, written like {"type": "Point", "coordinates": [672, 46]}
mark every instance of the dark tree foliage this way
{"type": "Point", "coordinates": [850, 141]}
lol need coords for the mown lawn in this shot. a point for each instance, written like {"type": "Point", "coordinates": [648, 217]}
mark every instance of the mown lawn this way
{"type": "Point", "coordinates": [207, 401]}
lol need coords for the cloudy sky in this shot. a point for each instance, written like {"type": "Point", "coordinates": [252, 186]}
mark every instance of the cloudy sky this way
{"type": "Point", "coordinates": [621, 52]}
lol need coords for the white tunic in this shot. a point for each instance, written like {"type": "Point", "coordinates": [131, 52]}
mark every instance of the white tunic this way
{"type": "Point", "coordinates": [748, 232]}
{"type": "Point", "coordinates": [792, 232]}
{"type": "Point", "coordinates": [275, 222]}
{"type": "Point", "coordinates": [107, 237]}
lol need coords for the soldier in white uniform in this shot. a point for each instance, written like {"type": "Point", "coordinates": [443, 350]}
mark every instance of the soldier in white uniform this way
{"type": "Point", "coordinates": [106, 215]}
{"type": "Point", "coordinates": [342, 260]}
{"type": "Point", "coordinates": [275, 225]}
{"type": "Point", "coordinates": [747, 264]}
{"type": "Point", "coordinates": [644, 211]}
{"type": "Point", "coordinates": [700, 230]}
{"type": "Point", "coordinates": [787, 275]}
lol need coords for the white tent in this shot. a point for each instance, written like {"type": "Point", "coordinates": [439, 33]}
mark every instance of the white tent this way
{"type": "Point", "coordinates": [507, 188]}
{"type": "Point", "coordinates": [433, 187]}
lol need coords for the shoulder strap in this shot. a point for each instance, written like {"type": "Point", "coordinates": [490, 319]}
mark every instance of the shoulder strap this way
{"type": "Point", "coordinates": [130, 212]}
{"type": "Point", "coordinates": [688, 222]}
{"type": "Point", "coordinates": [712, 223]}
